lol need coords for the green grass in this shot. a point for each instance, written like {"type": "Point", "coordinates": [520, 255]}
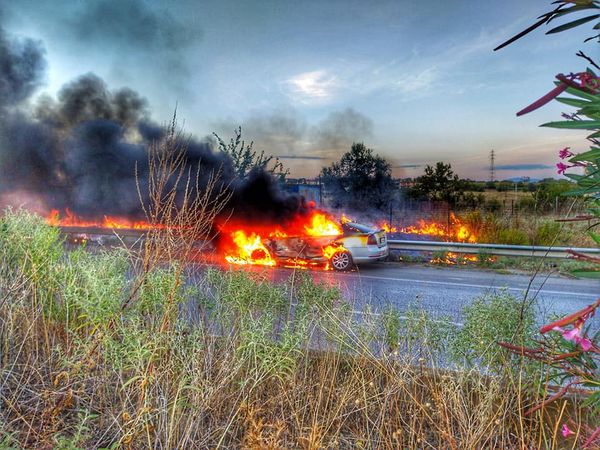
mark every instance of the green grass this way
{"type": "Point", "coordinates": [98, 353]}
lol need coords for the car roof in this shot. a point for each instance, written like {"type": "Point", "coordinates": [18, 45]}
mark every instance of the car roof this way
{"type": "Point", "coordinates": [359, 227]}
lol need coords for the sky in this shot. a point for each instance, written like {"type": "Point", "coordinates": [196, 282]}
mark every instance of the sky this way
{"type": "Point", "coordinates": [416, 81]}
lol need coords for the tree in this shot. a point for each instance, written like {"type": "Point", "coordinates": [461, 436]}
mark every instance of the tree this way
{"type": "Point", "coordinates": [245, 158]}
{"type": "Point", "coordinates": [360, 180]}
{"type": "Point", "coordinates": [438, 183]}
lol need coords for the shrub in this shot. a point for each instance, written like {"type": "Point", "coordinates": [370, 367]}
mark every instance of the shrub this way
{"type": "Point", "coordinates": [498, 317]}
{"type": "Point", "coordinates": [551, 233]}
{"type": "Point", "coordinates": [512, 236]}
{"type": "Point", "coordinates": [93, 285]}
{"type": "Point", "coordinates": [527, 204]}
{"type": "Point", "coordinates": [493, 205]}
{"type": "Point", "coordinates": [33, 249]}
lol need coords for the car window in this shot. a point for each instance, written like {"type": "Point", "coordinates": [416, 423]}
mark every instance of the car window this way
{"type": "Point", "coordinates": [351, 228]}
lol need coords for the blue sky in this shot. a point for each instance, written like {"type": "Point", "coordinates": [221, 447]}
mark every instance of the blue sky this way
{"type": "Point", "coordinates": [416, 81]}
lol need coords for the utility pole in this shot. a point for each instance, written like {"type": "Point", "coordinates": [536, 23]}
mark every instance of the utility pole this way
{"type": "Point", "coordinates": [492, 166]}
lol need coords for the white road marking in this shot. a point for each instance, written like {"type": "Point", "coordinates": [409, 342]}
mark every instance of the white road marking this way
{"type": "Point", "coordinates": [358, 312]}
{"type": "Point", "coordinates": [447, 283]}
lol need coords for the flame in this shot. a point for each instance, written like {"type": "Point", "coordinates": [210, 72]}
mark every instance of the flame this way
{"type": "Point", "coordinates": [249, 250]}
{"type": "Point", "coordinates": [453, 259]}
{"type": "Point", "coordinates": [345, 219]}
{"type": "Point", "coordinates": [387, 228]}
{"type": "Point", "coordinates": [329, 250]}
{"type": "Point", "coordinates": [69, 219]}
{"type": "Point", "coordinates": [321, 225]}
{"type": "Point", "coordinates": [456, 231]}
{"type": "Point", "coordinates": [255, 245]}
{"type": "Point", "coordinates": [277, 234]}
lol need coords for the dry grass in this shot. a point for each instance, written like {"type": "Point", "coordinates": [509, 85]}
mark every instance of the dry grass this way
{"type": "Point", "coordinates": [508, 196]}
{"type": "Point", "coordinates": [147, 387]}
{"type": "Point", "coordinates": [242, 364]}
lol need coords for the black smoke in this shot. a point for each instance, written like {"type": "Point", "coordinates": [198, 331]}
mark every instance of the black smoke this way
{"type": "Point", "coordinates": [80, 150]}
{"type": "Point", "coordinates": [88, 98]}
{"type": "Point", "coordinates": [22, 66]}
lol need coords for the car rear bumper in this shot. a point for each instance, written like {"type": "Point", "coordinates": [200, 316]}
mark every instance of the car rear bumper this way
{"type": "Point", "coordinates": [370, 254]}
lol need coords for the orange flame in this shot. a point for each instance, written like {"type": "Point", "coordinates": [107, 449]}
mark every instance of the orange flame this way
{"type": "Point", "coordinates": [453, 259]}
{"type": "Point", "coordinates": [387, 228]}
{"type": "Point", "coordinates": [69, 219]}
{"type": "Point", "coordinates": [345, 219]}
{"type": "Point", "coordinates": [456, 231]}
{"type": "Point", "coordinates": [251, 245]}
{"type": "Point", "coordinates": [321, 225]}
{"type": "Point", "coordinates": [329, 250]}
{"type": "Point", "coordinates": [250, 250]}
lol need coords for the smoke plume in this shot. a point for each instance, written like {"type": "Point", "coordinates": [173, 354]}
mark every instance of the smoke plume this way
{"type": "Point", "coordinates": [79, 151]}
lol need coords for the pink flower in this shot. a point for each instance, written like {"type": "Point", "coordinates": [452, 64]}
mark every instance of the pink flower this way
{"type": "Point", "coordinates": [585, 344]}
{"type": "Point", "coordinates": [565, 153]}
{"type": "Point", "coordinates": [574, 335]}
{"type": "Point", "coordinates": [566, 431]}
{"type": "Point", "coordinates": [561, 168]}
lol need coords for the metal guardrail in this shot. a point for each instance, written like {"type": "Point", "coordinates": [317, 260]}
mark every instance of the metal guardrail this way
{"type": "Point", "coordinates": [399, 244]}
{"type": "Point", "coordinates": [491, 249]}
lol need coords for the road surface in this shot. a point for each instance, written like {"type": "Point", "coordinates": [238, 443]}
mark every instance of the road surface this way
{"type": "Point", "coordinates": [444, 291]}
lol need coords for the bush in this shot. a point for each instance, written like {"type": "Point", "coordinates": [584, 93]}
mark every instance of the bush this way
{"type": "Point", "coordinates": [493, 205]}
{"type": "Point", "coordinates": [527, 204]}
{"type": "Point", "coordinates": [499, 317]}
{"type": "Point", "coordinates": [551, 233]}
{"type": "Point", "coordinates": [484, 226]}
{"type": "Point", "coordinates": [32, 249]}
{"type": "Point", "coordinates": [512, 236]}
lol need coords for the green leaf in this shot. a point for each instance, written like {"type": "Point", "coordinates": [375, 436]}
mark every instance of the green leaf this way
{"type": "Point", "coordinates": [594, 135]}
{"type": "Point", "coordinates": [595, 237]}
{"type": "Point", "coordinates": [586, 273]}
{"type": "Point", "coordinates": [590, 155]}
{"type": "Point", "coordinates": [575, 8]}
{"type": "Point", "coordinates": [577, 103]}
{"type": "Point", "coordinates": [575, 23]}
{"type": "Point", "coordinates": [574, 176]}
{"type": "Point", "coordinates": [574, 124]}
{"type": "Point", "coordinates": [581, 94]}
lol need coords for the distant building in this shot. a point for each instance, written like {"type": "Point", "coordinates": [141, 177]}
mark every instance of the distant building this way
{"type": "Point", "coordinates": [310, 189]}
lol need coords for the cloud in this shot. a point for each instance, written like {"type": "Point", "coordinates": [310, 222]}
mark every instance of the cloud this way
{"type": "Point", "coordinates": [419, 83]}
{"type": "Point", "coordinates": [407, 166]}
{"type": "Point", "coordinates": [312, 87]}
{"type": "Point", "coordinates": [524, 167]}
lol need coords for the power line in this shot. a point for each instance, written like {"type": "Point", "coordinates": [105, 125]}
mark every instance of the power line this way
{"type": "Point", "coordinates": [492, 166]}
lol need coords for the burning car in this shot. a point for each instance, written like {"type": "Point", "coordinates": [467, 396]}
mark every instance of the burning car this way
{"type": "Point", "coordinates": [322, 242]}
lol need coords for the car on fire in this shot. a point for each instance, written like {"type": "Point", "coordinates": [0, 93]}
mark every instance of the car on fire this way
{"type": "Point", "coordinates": [357, 244]}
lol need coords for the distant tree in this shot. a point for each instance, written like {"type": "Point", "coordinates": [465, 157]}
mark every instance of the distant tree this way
{"type": "Point", "coordinates": [360, 180]}
{"type": "Point", "coordinates": [438, 183]}
{"type": "Point", "coordinates": [245, 158]}
{"type": "Point", "coordinates": [548, 190]}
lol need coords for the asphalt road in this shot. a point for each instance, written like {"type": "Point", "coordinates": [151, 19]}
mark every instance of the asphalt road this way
{"type": "Point", "coordinates": [444, 291]}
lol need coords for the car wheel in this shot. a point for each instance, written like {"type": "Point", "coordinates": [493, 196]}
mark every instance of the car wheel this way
{"type": "Point", "coordinates": [341, 260]}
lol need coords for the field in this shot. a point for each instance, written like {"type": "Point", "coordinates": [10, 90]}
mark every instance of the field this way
{"type": "Point", "coordinates": [109, 349]}
{"type": "Point", "coordinates": [505, 196]}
